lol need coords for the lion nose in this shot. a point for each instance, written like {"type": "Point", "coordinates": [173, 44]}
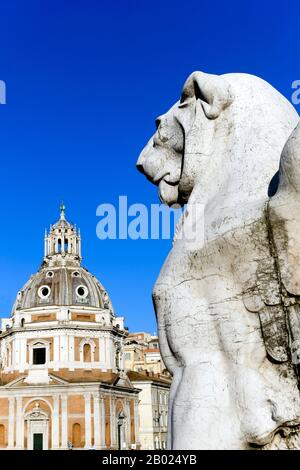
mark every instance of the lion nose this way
{"type": "Point", "coordinates": [139, 163]}
{"type": "Point", "coordinates": [140, 167]}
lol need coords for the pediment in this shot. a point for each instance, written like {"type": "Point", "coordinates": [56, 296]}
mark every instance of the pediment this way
{"type": "Point", "coordinates": [19, 382]}
{"type": "Point", "coordinates": [16, 383]}
{"type": "Point", "coordinates": [123, 381]}
{"type": "Point", "coordinates": [57, 380]}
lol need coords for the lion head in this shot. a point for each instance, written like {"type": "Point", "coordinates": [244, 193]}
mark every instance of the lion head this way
{"type": "Point", "coordinates": [227, 129]}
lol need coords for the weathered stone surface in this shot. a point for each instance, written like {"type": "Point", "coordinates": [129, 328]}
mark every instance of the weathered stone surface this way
{"type": "Point", "coordinates": [227, 301]}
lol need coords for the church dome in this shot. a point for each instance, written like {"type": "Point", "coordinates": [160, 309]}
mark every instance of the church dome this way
{"type": "Point", "coordinates": [61, 280]}
{"type": "Point", "coordinates": [62, 286]}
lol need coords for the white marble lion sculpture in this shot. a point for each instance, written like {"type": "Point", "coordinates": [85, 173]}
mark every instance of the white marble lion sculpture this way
{"type": "Point", "coordinates": [228, 305]}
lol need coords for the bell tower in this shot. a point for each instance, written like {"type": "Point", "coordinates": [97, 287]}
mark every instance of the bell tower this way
{"type": "Point", "coordinates": [62, 243]}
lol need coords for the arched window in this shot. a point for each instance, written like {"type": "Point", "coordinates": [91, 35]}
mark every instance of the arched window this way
{"type": "Point", "coordinates": [2, 435]}
{"type": "Point", "coordinates": [76, 435]}
{"type": "Point", "coordinates": [87, 354]}
{"type": "Point", "coordinates": [22, 322]}
{"type": "Point", "coordinates": [87, 349]}
{"type": "Point", "coordinates": [59, 245]}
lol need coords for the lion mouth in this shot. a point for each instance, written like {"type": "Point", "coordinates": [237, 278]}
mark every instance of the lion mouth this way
{"type": "Point", "coordinates": [166, 177]}
{"type": "Point", "coordinates": [160, 176]}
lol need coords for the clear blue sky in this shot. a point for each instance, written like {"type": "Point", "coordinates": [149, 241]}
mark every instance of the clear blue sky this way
{"type": "Point", "coordinates": [85, 81]}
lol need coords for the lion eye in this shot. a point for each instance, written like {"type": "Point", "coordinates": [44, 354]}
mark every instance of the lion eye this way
{"type": "Point", "coordinates": [183, 105]}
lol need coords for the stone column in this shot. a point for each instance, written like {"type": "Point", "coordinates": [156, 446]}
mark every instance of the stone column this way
{"type": "Point", "coordinates": [87, 420]}
{"type": "Point", "coordinates": [136, 421]}
{"type": "Point", "coordinates": [23, 354]}
{"type": "Point", "coordinates": [19, 425]}
{"type": "Point", "coordinates": [103, 420]}
{"type": "Point", "coordinates": [70, 244]}
{"type": "Point", "coordinates": [64, 422]}
{"type": "Point", "coordinates": [107, 358]}
{"type": "Point", "coordinates": [128, 424]}
{"type": "Point", "coordinates": [113, 424]}
{"type": "Point", "coordinates": [55, 423]}
{"type": "Point", "coordinates": [11, 423]}
{"type": "Point", "coordinates": [71, 351]}
{"type": "Point", "coordinates": [97, 421]}
{"type": "Point", "coordinates": [111, 353]}
{"type": "Point", "coordinates": [63, 343]}
{"type": "Point", "coordinates": [15, 353]}
{"type": "Point", "coordinates": [56, 351]}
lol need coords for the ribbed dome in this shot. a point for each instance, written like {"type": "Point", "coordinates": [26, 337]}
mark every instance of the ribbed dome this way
{"type": "Point", "coordinates": [61, 281]}
{"type": "Point", "coordinates": [62, 286]}
{"type": "Point", "coordinates": [61, 223]}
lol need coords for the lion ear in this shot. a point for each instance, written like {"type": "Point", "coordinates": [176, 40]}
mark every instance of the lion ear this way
{"type": "Point", "coordinates": [214, 92]}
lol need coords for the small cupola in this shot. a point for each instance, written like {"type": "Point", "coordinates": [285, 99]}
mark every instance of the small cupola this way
{"type": "Point", "coordinates": [62, 243]}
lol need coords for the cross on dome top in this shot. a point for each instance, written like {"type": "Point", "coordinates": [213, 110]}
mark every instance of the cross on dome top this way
{"type": "Point", "coordinates": [62, 243]}
{"type": "Point", "coordinates": [62, 208]}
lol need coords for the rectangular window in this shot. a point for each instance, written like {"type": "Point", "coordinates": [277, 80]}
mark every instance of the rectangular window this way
{"type": "Point", "coordinates": [39, 356]}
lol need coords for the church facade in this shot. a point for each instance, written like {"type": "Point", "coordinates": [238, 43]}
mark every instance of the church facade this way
{"type": "Point", "coordinates": [62, 378]}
